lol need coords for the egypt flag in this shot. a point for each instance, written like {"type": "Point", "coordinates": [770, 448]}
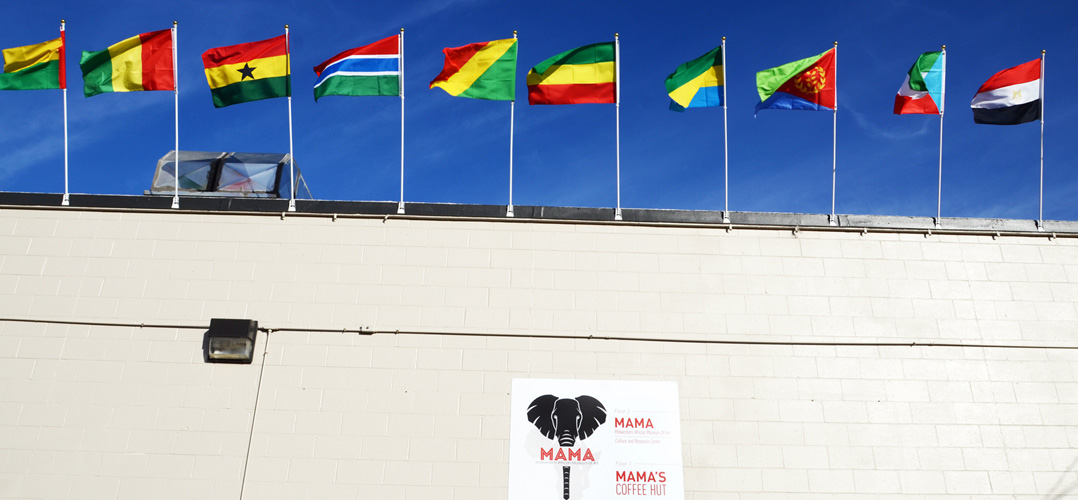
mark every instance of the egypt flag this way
{"type": "Point", "coordinates": [1010, 97]}
{"type": "Point", "coordinates": [922, 92]}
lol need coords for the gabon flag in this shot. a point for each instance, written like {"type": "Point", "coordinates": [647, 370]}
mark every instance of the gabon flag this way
{"type": "Point", "coordinates": [248, 71]}
{"type": "Point", "coordinates": [142, 62]}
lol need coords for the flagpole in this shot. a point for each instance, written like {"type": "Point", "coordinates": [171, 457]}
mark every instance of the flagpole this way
{"type": "Point", "coordinates": [512, 106]}
{"type": "Point", "coordinates": [1040, 211]}
{"type": "Point", "coordinates": [943, 105]}
{"type": "Point", "coordinates": [725, 143]}
{"type": "Point", "coordinates": [176, 114]}
{"type": "Point", "coordinates": [291, 154]}
{"type": "Point", "coordinates": [63, 84]}
{"type": "Point", "coordinates": [834, 133]}
{"type": "Point", "coordinates": [617, 117]}
{"type": "Point", "coordinates": [400, 88]}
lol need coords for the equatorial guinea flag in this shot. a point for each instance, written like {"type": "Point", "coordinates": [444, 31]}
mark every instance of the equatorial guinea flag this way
{"type": "Point", "coordinates": [1010, 97]}
{"type": "Point", "coordinates": [922, 92]}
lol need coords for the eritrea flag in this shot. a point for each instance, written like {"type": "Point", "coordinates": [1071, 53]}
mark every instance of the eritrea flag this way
{"type": "Point", "coordinates": [808, 84]}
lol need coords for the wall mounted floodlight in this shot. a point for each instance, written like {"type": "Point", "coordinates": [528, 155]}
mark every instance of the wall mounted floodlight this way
{"type": "Point", "coordinates": [230, 341]}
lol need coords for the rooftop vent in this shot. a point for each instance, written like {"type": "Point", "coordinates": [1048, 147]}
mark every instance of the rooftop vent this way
{"type": "Point", "coordinates": [210, 173]}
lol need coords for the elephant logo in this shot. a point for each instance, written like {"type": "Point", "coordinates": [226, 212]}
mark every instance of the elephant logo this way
{"type": "Point", "coordinates": [566, 421]}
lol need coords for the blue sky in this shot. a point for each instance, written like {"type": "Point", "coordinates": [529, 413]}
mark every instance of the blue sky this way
{"type": "Point", "coordinates": [457, 150]}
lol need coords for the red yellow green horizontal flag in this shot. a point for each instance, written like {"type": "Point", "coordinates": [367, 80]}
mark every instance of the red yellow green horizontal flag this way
{"type": "Point", "coordinates": [248, 71]}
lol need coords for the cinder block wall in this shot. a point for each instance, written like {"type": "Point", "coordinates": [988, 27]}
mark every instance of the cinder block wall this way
{"type": "Point", "coordinates": [113, 411]}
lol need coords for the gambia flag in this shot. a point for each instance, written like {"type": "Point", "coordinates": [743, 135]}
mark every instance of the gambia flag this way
{"type": "Point", "coordinates": [372, 70]}
{"type": "Point", "coordinates": [582, 75]}
{"type": "Point", "coordinates": [922, 92]}
{"type": "Point", "coordinates": [1010, 97]}
{"type": "Point", "coordinates": [697, 83]}
{"type": "Point", "coordinates": [485, 70]}
{"type": "Point", "coordinates": [248, 71]}
{"type": "Point", "coordinates": [808, 84]}
{"type": "Point", "coordinates": [142, 62]}
{"type": "Point", "coordinates": [34, 67]}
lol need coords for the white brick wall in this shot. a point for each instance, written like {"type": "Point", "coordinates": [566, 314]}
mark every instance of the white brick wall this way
{"type": "Point", "coordinates": [119, 412]}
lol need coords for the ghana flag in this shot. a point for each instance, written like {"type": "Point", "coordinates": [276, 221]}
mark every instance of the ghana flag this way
{"type": "Point", "coordinates": [248, 72]}
{"type": "Point", "coordinates": [34, 67]}
{"type": "Point", "coordinates": [485, 70]}
{"type": "Point", "coordinates": [808, 84]}
{"type": "Point", "coordinates": [142, 62]}
{"type": "Point", "coordinates": [582, 75]}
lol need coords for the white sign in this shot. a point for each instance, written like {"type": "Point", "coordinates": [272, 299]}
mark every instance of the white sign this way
{"type": "Point", "coordinates": [594, 440]}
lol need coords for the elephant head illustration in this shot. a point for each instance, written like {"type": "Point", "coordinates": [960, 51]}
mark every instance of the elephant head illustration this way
{"type": "Point", "coordinates": [566, 421]}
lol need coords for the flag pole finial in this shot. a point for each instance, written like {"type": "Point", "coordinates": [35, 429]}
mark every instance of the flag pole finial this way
{"type": "Point", "coordinates": [174, 23]}
{"type": "Point", "coordinates": [402, 30]}
{"type": "Point", "coordinates": [514, 33]}
{"type": "Point", "coordinates": [836, 43]}
{"type": "Point", "coordinates": [724, 39]}
{"type": "Point", "coordinates": [944, 46]}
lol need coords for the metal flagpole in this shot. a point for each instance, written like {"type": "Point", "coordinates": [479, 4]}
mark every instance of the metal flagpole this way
{"type": "Point", "coordinates": [1040, 210]}
{"type": "Point", "coordinates": [834, 132]}
{"type": "Point", "coordinates": [291, 154]}
{"type": "Point", "coordinates": [63, 85]}
{"type": "Point", "coordinates": [176, 88]}
{"type": "Point", "coordinates": [725, 143]}
{"type": "Point", "coordinates": [617, 117]}
{"type": "Point", "coordinates": [400, 86]}
{"type": "Point", "coordinates": [943, 105]}
{"type": "Point", "coordinates": [512, 106]}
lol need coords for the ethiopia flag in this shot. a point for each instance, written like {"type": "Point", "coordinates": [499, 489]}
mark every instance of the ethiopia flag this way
{"type": "Point", "coordinates": [808, 84]}
{"type": "Point", "coordinates": [248, 71]}
{"type": "Point", "coordinates": [697, 83]}
{"type": "Point", "coordinates": [1010, 97]}
{"type": "Point", "coordinates": [922, 92]}
{"type": "Point", "coordinates": [485, 70]}
{"type": "Point", "coordinates": [34, 67]}
{"type": "Point", "coordinates": [368, 70]}
{"type": "Point", "coordinates": [582, 75]}
{"type": "Point", "coordinates": [142, 62]}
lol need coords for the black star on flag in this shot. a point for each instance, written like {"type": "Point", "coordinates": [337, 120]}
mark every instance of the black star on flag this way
{"type": "Point", "coordinates": [247, 72]}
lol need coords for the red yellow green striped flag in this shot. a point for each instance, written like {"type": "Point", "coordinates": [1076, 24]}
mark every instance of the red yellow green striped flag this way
{"type": "Point", "coordinates": [142, 62]}
{"type": "Point", "coordinates": [34, 67]}
{"type": "Point", "coordinates": [582, 75]}
{"type": "Point", "coordinates": [248, 71]}
{"type": "Point", "coordinates": [485, 70]}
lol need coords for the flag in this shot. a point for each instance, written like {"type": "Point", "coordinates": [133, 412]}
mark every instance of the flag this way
{"type": "Point", "coordinates": [582, 75]}
{"type": "Point", "coordinates": [922, 91]}
{"type": "Point", "coordinates": [373, 69]}
{"type": "Point", "coordinates": [142, 62]}
{"type": "Point", "coordinates": [1010, 97]}
{"type": "Point", "coordinates": [808, 84]}
{"type": "Point", "coordinates": [248, 71]}
{"type": "Point", "coordinates": [485, 70]}
{"type": "Point", "coordinates": [34, 67]}
{"type": "Point", "coordinates": [697, 83]}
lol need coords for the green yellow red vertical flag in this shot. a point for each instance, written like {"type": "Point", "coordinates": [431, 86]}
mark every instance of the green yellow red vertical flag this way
{"type": "Point", "coordinates": [142, 62]}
